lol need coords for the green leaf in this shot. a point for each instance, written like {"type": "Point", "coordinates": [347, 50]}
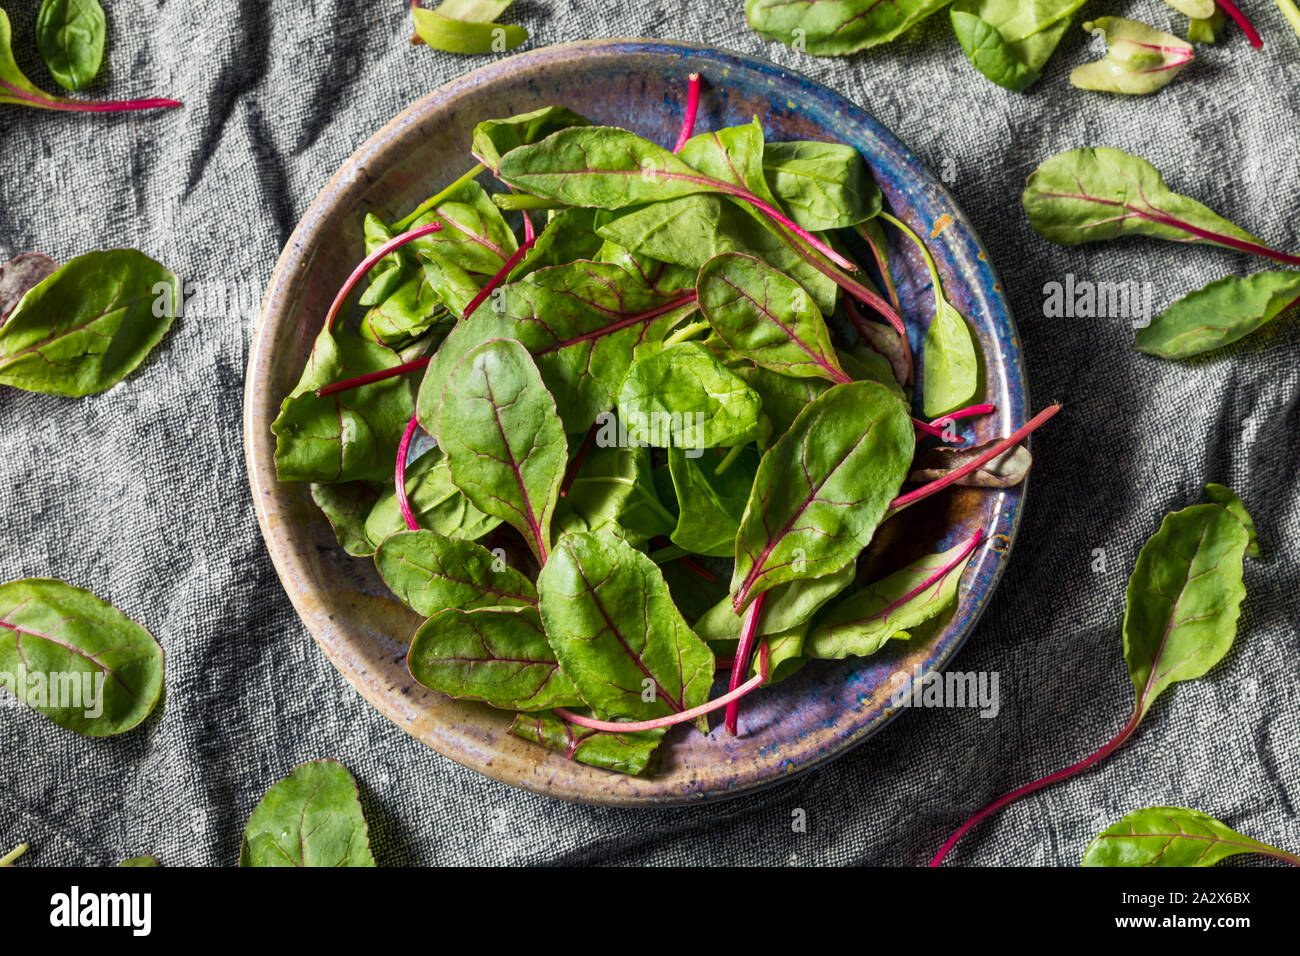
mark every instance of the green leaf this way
{"type": "Point", "coordinates": [1004, 471]}
{"type": "Point", "coordinates": [346, 436]}
{"type": "Point", "coordinates": [836, 27]}
{"type": "Point", "coordinates": [347, 506]}
{"type": "Point", "coordinates": [494, 138]}
{"type": "Point", "coordinates": [613, 490]}
{"type": "Point", "coordinates": [690, 231]}
{"type": "Point", "coordinates": [822, 489]}
{"type": "Point", "coordinates": [1219, 314]}
{"type": "Point", "coordinates": [733, 154]}
{"type": "Point", "coordinates": [76, 659]}
{"type": "Point", "coordinates": [458, 36]}
{"type": "Point", "coordinates": [783, 397]}
{"type": "Point", "coordinates": [584, 324]}
{"type": "Point", "coordinates": [412, 309]}
{"type": "Point", "coordinates": [866, 620]}
{"type": "Point", "coordinates": [626, 753]}
{"type": "Point", "coordinates": [1009, 41]}
{"type": "Point", "coordinates": [570, 234]}
{"type": "Point", "coordinates": [863, 364]}
{"type": "Point", "coordinates": [1196, 9]}
{"type": "Point", "coordinates": [89, 325]}
{"type": "Point", "coordinates": [709, 505]}
{"type": "Point", "coordinates": [822, 185]}
{"type": "Point", "coordinates": [787, 608]}
{"type": "Point", "coordinates": [1205, 30]}
{"type": "Point", "coordinates": [1225, 497]}
{"type": "Point", "coordinates": [70, 35]}
{"type": "Point", "coordinates": [474, 234]}
{"type": "Point", "coordinates": [503, 440]}
{"type": "Point", "coordinates": [1139, 59]}
{"type": "Point", "coordinates": [1094, 194]}
{"type": "Point", "coordinates": [1183, 599]}
{"type": "Point", "coordinates": [766, 317]}
{"type": "Point", "coordinates": [1171, 836]}
{"type": "Point", "coordinates": [683, 397]}
{"type": "Point", "coordinates": [496, 656]}
{"type": "Point", "coordinates": [990, 53]}
{"type": "Point", "coordinates": [430, 572]}
{"type": "Point", "coordinates": [613, 625]}
{"type": "Point", "coordinates": [437, 504]}
{"type": "Point", "coordinates": [310, 818]}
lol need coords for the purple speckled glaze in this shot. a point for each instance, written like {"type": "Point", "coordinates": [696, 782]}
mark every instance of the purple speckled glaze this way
{"type": "Point", "coordinates": [822, 710]}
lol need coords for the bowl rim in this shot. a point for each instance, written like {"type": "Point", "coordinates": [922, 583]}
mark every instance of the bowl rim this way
{"type": "Point", "coordinates": [259, 446]}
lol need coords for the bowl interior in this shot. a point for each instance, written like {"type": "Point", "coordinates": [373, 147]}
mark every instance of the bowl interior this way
{"type": "Point", "coordinates": [824, 708]}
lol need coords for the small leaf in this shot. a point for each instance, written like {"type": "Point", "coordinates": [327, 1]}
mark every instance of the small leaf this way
{"type": "Point", "coordinates": [1221, 313]}
{"type": "Point", "coordinates": [438, 505]}
{"type": "Point", "coordinates": [70, 35]}
{"type": "Point", "coordinates": [430, 573]}
{"type": "Point", "coordinates": [683, 397]}
{"type": "Point", "coordinates": [822, 489]}
{"type": "Point", "coordinates": [1225, 497]}
{"type": "Point", "coordinates": [88, 325]}
{"type": "Point", "coordinates": [836, 27]}
{"type": "Point", "coordinates": [1183, 599]}
{"type": "Point", "coordinates": [76, 659]}
{"type": "Point", "coordinates": [612, 623]}
{"type": "Point", "coordinates": [709, 505]}
{"type": "Point", "coordinates": [346, 506]}
{"type": "Point", "coordinates": [626, 753]}
{"type": "Point", "coordinates": [1139, 59]}
{"type": "Point", "coordinates": [503, 440]}
{"type": "Point", "coordinates": [458, 36]}
{"type": "Point", "coordinates": [1171, 836]}
{"type": "Point", "coordinates": [496, 656]}
{"type": "Point", "coordinates": [822, 185]}
{"type": "Point", "coordinates": [310, 818]}
{"type": "Point", "coordinates": [766, 317]}
{"type": "Point", "coordinates": [494, 138]}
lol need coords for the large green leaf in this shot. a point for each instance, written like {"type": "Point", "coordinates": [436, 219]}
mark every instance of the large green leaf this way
{"type": "Point", "coordinates": [430, 572]}
{"type": "Point", "coordinates": [1219, 314]}
{"type": "Point", "coordinates": [836, 27]}
{"type": "Point", "coordinates": [310, 818]}
{"type": "Point", "coordinates": [89, 325]}
{"type": "Point", "coordinates": [350, 435]}
{"type": "Point", "coordinates": [75, 658]}
{"type": "Point", "coordinates": [1183, 599]}
{"type": "Point", "coordinates": [683, 397]}
{"type": "Point", "coordinates": [499, 657]}
{"type": "Point", "coordinates": [626, 753]}
{"type": "Point", "coordinates": [767, 317]}
{"type": "Point", "coordinates": [863, 622]}
{"type": "Point", "coordinates": [616, 631]}
{"type": "Point", "coordinates": [70, 35]}
{"type": "Point", "coordinates": [822, 489]}
{"type": "Point", "coordinates": [1171, 836]}
{"type": "Point", "coordinates": [503, 440]}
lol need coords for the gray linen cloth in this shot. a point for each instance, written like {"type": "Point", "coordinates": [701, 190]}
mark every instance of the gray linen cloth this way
{"type": "Point", "coordinates": [140, 495]}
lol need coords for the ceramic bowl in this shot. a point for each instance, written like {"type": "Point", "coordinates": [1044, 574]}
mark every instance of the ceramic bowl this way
{"type": "Point", "coordinates": [791, 727]}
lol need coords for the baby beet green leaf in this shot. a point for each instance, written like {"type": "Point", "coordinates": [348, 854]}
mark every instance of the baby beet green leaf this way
{"type": "Point", "coordinates": [822, 489]}
{"type": "Point", "coordinates": [683, 397]}
{"type": "Point", "coordinates": [60, 642]}
{"type": "Point", "coordinates": [824, 185]}
{"type": "Point", "coordinates": [88, 325]}
{"type": "Point", "coordinates": [436, 503]}
{"type": "Point", "coordinates": [430, 572]}
{"type": "Point", "coordinates": [1094, 194]}
{"type": "Point", "coordinates": [1139, 59]}
{"type": "Point", "coordinates": [1225, 497]}
{"type": "Point", "coordinates": [347, 506]}
{"type": "Point", "coordinates": [443, 32]}
{"type": "Point", "coordinates": [732, 155]}
{"type": "Point", "coordinates": [709, 505]}
{"type": "Point", "coordinates": [70, 36]}
{"type": "Point", "coordinates": [609, 750]}
{"type": "Point", "coordinates": [499, 657]}
{"type": "Point", "coordinates": [15, 88]}
{"type": "Point", "coordinates": [494, 138]}
{"type": "Point", "coordinates": [787, 608]}
{"type": "Point", "coordinates": [612, 489]}
{"type": "Point", "coordinates": [310, 818]}
{"type": "Point", "coordinates": [836, 27]}
{"type": "Point", "coordinates": [1009, 42]}
{"type": "Point", "coordinates": [346, 436]}
{"type": "Point", "coordinates": [20, 274]}
{"type": "Point", "coordinates": [1219, 314]}
{"type": "Point", "coordinates": [617, 634]}
{"type": "Point", "coordinates": [1004, 471]}
{"type": "Point", "coordinates": [863, 622]}
{"type": "Point", "coordinates": [783, 397]}
{"type": "Point", "coordinates": [1173, 836]}
{"type": "Point", "coordinates": [504, 442]}
{"type": "Point", "coordinates": [950, 365]}
{"type": "Point", "coordinates": [766, 317]}
{"type": "Point", "coordinates": [1183, 599]}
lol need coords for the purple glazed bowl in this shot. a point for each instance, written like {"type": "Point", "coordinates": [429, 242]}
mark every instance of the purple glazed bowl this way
{"type": "Point", "coordinates": [825, 708]}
